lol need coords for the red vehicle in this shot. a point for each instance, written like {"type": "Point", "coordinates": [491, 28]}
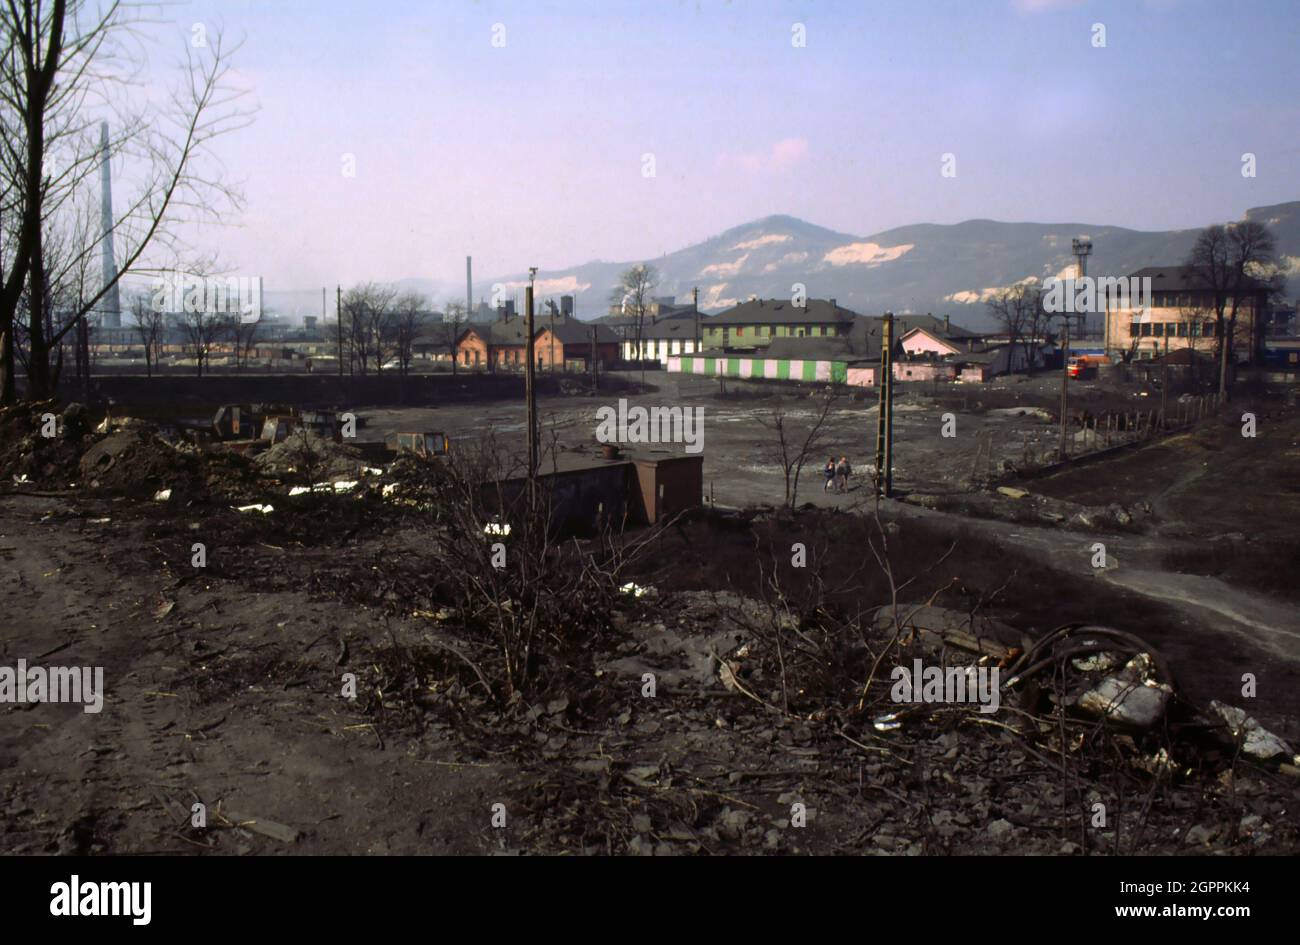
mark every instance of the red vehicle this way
{"type": "Point", "coordinates": [1082, 368]}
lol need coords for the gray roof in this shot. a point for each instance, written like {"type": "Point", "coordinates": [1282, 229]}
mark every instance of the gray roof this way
{"type": "Point", "coordinates": [1183, 279]}
{"type": "Point", "coordinates": [784, 312]}
{"type": "Point", "coordinates": [514, 331]}
{"type": "Point", "coordinates": [935, 326]}
{"type": "Point", "coordinates": [666, 329]}
{"type": "Point", "coordinates": [812, 349]}
{"type": "Point", "coordinates": [572, 331]}
{"type": "Point", "coordinates": [676, 313]}
{"type": "Point", "coordinates": [435, 334]}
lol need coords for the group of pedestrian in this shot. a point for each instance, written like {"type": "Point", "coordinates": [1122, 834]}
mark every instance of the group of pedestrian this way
{"type": "Point", "coordinates": [837, 474]}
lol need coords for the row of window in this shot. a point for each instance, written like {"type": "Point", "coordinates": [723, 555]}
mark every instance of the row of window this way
{"type": "Point", "coordinates": [503, 357]}
{"type": "Point", "coordinates": [654, 347]}
{"type": "Point", "coordinates": [770, 331]}
{"type": "Point", "coordinates": [1171, 330]}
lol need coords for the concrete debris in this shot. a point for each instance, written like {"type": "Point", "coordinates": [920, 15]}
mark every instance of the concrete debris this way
{"type": "Point", "coordinates": [1037, 412]}
{"type": "Point", "coordinates": [1133, 696]}
{"type": "Point", "coordinates": [1096, 662]}
{"type": "Point", "coordinates": [1256, 741]}
{"type": "Point", "coordinates": [305, 453]}
{"type": "Point", "coordinates": [1133, 703]}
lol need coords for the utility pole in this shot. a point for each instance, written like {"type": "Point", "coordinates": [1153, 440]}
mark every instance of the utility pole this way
{"type": "Point", "coordinates": [530, 367]}
{"type": "Point", "coordinates": [695, 304]}
{"type": "Point", "coordinates": [885, 417]}
{"type": "Point", "coordinates": [1065, 379]}
{"type": "Point", "coordinates": [338, 321]}
{"type": "Point", "coordinates": [593, 360]}
{"type": "Point", "coordinates": [1164, 380]}
{"type": "Point", "coordinates": [1081, 248]}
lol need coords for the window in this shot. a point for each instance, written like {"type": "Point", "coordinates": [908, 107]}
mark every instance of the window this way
{"type": "Point", "coordinates": [1182, 329]}
{"type": "Point", "coordinates": [1208, 331]}
{"type": "Point", "coordinates": [1158, 329]}
{"type": "Point", "coordinates": [1146, 330]}
{"type": "Point", "coordinates": [1196, 329]}
{"type": "Point", "coordinates": [1134, 329]}
{"type": "Point", "coordinates": [740, 332]}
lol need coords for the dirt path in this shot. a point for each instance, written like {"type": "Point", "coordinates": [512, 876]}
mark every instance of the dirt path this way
{"type": "Point", "coordinates": [1225, 631]}
{"type": "Point", "coordinates": [287, 747]}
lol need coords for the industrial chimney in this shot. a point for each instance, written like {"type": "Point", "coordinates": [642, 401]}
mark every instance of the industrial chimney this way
{"type": "Point", "coordinates": [469, 286]}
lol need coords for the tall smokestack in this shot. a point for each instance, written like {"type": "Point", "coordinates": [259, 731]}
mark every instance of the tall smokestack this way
{"type": "Point", "coordinates": [469, 286]}
{"type": "Point", "coordinates": [110, 305]}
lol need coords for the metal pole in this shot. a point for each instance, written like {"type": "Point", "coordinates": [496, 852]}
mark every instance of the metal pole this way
{"type": "Point", "coordinates": [1065, 381]}
{"type": "Point", "coordinates": [695, 305]}
{"type": "Point", "coordinates": [529, 391]}
{"type": "Point", "coordinates": [889, 408]}
{"type": "Point", "coordinates": [1164, 381]}
{"type": "Point", "coordinates": [884, 419]}
{"type": "Point", "coordinates": [338, 319]}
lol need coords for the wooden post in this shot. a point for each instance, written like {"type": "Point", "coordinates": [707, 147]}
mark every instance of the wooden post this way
{"type": "Point", "coordinates": [884, 420]}
{"type": "Point", "coordinates": [530, 392]}
{"type": "Point", "coordinates": [1065, 380]}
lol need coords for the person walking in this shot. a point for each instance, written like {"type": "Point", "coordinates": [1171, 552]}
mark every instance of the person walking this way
{"type": "Point", "coordinates": [842, 473]}
{"type": "Point", "coordinates": [829, 472]}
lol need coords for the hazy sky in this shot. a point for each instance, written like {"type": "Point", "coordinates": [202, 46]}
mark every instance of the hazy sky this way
{"type": "Point", "coordinates": [531, 153]}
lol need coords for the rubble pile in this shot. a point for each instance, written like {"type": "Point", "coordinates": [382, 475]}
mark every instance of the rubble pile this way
{"type": "Point", "coordinates": [306, 456]}
{"type": "Point", "coordinates": [1090, 718]}
{"type": "Point", "coordinates": [1008, 503]}
{"type": "Point", "coordinates": [30, 455]}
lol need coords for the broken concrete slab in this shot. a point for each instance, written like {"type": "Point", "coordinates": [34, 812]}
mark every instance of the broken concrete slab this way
{"type": "Point", "coordinates": [1256, 741]}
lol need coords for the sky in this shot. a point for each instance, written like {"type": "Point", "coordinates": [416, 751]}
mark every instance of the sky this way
{"type": "Point", "coordinates": [522, 132]}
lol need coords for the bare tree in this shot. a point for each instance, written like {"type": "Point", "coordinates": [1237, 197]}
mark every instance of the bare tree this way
{"type": "Point", "coordinates": [633, 295]}
{"type": "Point", "coordinates": [1253, 257]}
{"type": "Point", "coordinates": [61, 61]}
{"type": "Point", "coordinates": [792, 446]}
{"type": "Point", "coordinates": [150, 328]}
{"type": "Point", "coordinates": [368, 325]}
{"type": "Point", "coordinates": [454, 317]}
{"type": "Point", "coordinates": [408, 318]}
{"type": "Point", "coordinates": [202, 329]}
{"type": "Point", "coordinates": [1019, 310]}
{"type": "Point", "coordinates": [243, 336]}
{"type": "Point", "coordinates": [1227, 262]}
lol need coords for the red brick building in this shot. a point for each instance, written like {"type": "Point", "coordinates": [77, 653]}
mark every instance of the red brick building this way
{"type": "Point", "coordinates": [559, 344]}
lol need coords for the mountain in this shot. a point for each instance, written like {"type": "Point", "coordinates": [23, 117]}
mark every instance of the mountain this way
{"type": "Point", "coordinates": [944, 269]}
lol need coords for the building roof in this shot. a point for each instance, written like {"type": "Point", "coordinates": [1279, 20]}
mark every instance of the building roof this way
{"type": "Point", "coordinates": [512, 332]}
{"type": "Point", "coordinates": [938, 327]}
{"type": "Point", "coordinates": [811, 349]}
{"type": "Point", "coordinates": [572, 331]}
{"type": "Point", "coordinates": [436, 334]}
{"type": "Point", "coordinates": [784, 312]}
{"type": "Point", "coordinates": [620, 319]}
{"type": "Point", "coordinates": [666, 329]}
{"type": "Point", "coordinates": [1184, 279]}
